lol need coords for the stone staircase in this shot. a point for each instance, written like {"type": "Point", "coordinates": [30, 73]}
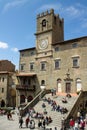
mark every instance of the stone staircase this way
{"type": "Point", "coordinates": [56, 116]}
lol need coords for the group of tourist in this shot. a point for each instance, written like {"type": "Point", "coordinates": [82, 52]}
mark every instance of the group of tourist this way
{"type": "Point", "coordinates": [79, 123]}
{"type": "Point", "coordinates": [42, 118]}
{"type": "Point", "coordinates": [55, 106]}
{"type": "Point", "coordinates": [44, 122]}
{"type": "Point", "coordinates": [28, 122]}
{"type": "Point", "coordinates": [33, 114]}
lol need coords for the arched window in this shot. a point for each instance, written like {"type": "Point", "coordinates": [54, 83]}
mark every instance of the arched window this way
{"type": "Point", "coordinates": [78, 84]}
{"type": "Point", "coordinates": [44, 22]}
{"type": "Point", "coordinates": [58, 80]}
{"type": "Point", "coordinates": [42, 82]}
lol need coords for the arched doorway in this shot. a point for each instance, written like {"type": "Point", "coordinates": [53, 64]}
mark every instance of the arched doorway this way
{"type": "Point", "coordinates": [22, 99]}
{"type": "Point", "coordinates": [30, 98]}
{"type": "Point", "coordinates": [59, 87]}
{"type": "Point", "coordinates": [78, 85]}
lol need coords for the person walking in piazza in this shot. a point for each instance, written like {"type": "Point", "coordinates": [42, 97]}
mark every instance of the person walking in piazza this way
{"type": "Point", "coordinates": [40, 123]}
{"type": "Point", "coordinates": [63, 123]}
{"type": "Point", "coordinates": [82, 124]}
{"type": "Point", "coordinates": [27, 121]}
{"type": "Point", "coordinates": [20, 122]}
{"type": "Point", "coordinates": [76, 126]}
{"type": "Point", "coordinates": [71, 124]}
{"type": "Point", "coordinates": [44, 124]}
{"type": "Point", "coordinates": [78, 115]}
{"type": "Point", "coordinates": [32, 124]}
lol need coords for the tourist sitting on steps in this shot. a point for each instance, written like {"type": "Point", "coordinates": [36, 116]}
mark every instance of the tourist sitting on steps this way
{"type": "Point", "coordinates": [43, 105]}
{"type": "Point", "coordinates": [49, 119]}
{"type": "Point", "coordinates": [45, 111]}
{"type": "Point", "coordinates": [68, 95]}
{"type": "Point", "coordinates": [64, 100]}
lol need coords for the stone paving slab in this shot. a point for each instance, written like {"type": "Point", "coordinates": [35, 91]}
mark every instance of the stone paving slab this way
{"type": "Point", "coordinates": [6, 124]}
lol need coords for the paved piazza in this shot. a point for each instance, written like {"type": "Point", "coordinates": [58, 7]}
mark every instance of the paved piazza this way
{"type": "Point", "coordinates": [6, 124]}
{"type": "Point", "coordinates": [13, 124]}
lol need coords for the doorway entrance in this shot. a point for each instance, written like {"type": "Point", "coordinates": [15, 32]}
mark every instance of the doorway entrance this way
{"type": "Point", "coordinates": [78, 85]}
{"type": "Point", "coordinates": [59, 86]}
{"type": "Point", "coordinates": [68, 87]}
{"type": "Point", "coordinates": [22, 99]}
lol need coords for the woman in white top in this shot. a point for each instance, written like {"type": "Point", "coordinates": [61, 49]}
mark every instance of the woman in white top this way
{"type": "Point", "coordinates": [76, 126]}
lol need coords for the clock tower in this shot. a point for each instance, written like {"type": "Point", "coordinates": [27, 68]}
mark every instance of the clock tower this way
{"type": "Point", "coordinates": [50, 30]}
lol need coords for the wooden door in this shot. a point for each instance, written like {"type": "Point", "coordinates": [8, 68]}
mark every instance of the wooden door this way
{"type": "Point", "coordinates": [68, 87]}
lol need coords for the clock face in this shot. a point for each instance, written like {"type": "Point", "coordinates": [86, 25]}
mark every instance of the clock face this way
{"type": "Point", "coordinates": [43, 44]}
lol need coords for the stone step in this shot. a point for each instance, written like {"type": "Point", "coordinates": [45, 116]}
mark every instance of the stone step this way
{"type": "Point", "coordinates": [56, 116]}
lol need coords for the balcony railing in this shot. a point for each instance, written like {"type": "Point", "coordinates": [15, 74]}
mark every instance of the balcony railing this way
{"type": "Point", "coordinates": [25, 87]}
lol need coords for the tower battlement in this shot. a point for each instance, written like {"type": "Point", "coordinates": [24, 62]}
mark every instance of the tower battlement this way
{"type": "Point", "coordinates": [48, 12]}
{"type": "Point", "coordinates": [51, 11]}
{"type": "Point", "coordinates": [49, 20]}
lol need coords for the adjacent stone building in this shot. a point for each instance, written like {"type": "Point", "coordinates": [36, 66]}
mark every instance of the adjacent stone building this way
{"type": "Point", "coordinates": [6, 65]}
{"type": "Point", "coordinates": [53, 63]}
{"type": "Point", "coordinates": [7, 83]}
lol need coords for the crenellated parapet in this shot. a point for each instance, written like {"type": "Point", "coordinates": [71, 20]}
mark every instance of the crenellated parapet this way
{"type": "Point", "coordinates": [48, 12]}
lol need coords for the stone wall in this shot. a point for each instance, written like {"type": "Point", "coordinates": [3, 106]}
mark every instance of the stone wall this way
{"type": "Point", "coordinates": [6, 65]}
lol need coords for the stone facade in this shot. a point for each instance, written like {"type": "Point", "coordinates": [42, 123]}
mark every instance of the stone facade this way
{"type": "Point", "coordinates": [6, 65]}
{"type": "Point", "coordinates": [55, 63]}
{"type": "Point", "coordinates": [7, 84]}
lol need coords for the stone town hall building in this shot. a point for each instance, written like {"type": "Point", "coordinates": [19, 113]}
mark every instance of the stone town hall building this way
{"type": "Point", "coordinates": [53, 63]}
